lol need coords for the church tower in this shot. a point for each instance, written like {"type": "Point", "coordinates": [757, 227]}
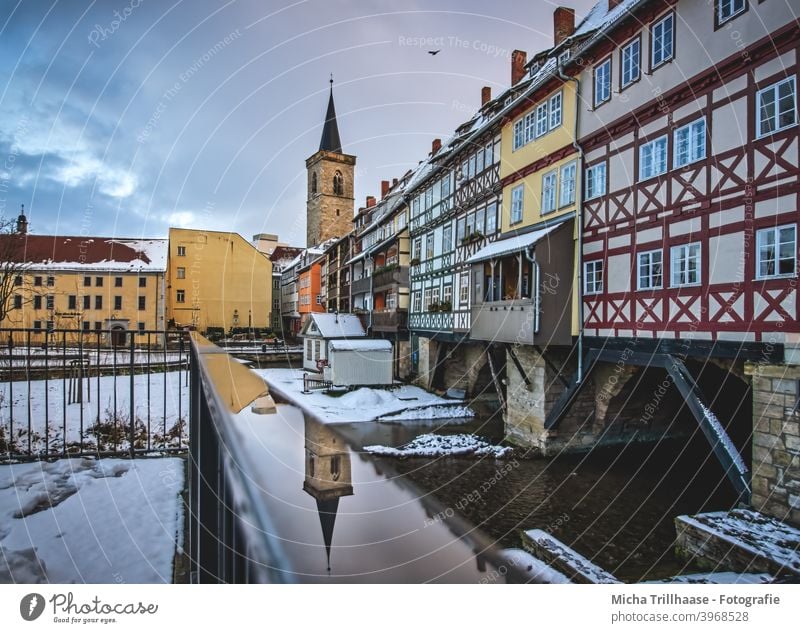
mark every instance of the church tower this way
{"type": "Point", "coordinates": [329, 210]}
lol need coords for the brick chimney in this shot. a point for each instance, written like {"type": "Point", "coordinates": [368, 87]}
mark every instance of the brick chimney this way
{"type": "Point", "coordinates": [384, 188]}
{"type": "Point", "coordinates": [370, 201]}
{"type": "Point", "coordinates": [612, 4]}
{"type": "Point", "coordinates": [486, 95]}
{"type": "Point", "coordinates": [518, 59]}
{"type": "Point", "coordinates": [564, 23]}
{"type": "Point", "coordinates": [436, 145]}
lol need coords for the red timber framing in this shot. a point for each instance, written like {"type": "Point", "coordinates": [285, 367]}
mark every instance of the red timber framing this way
{"type": "Point", "coordinates": [720, 195]}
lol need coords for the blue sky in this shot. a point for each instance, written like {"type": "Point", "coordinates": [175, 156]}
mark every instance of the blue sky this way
{"type": "Point", "coordinates": [124, 117]}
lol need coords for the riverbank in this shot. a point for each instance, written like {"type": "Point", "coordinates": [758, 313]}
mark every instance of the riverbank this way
{"type": "Point", "coordinates": [394, 404]}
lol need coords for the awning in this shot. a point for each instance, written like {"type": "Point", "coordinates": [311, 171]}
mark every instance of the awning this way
{"type": "Point", "coordinates": [512, 244]}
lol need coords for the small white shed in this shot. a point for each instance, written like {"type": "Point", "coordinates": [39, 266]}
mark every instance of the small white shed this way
{"type": "Point", "coordinates": [356, 362]}
{"type": "Point", "coordinates": [320, 329]}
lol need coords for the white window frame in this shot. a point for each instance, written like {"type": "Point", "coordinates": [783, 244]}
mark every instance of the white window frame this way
{"type": "Point", "coordinates": [568, 184]}
{"type": "Point", "coordinates": [592, 189]}
{"type": "Point", "coordinates": [542, 119]}
{"type": "Point", "coordinates": [651, 147]}
{"type": "Point", "coordinates": [417, 305]}
{"type": "Point", "coordinates": [730, 5]}
{"type": "Point", "coordinates": [556, 102]}
{"type": "Point", "coordinates": [602, 78]}
{"type": "Point", "coordinates": [549, 191]}
{"type": "Point", "coordinates": [593, 277]}
{"type": "Point", "coordinates": [695, 145]}
{"type": "Point", "coordinates": [663, 55]}
{"type": "Point", "coordinates": [775, 118]}
{"type": "Point", "coordinates": [649, 255]}
{"type": "Point", "coordinates": [517, 204]}
{"type": "Point", "coordinates": [519, 134]}
{"type": "Point", "coordinates": [426, 299]}
{"type": "Point", "coordinates": [530, 125]}
{"type": "Point", "coordinates": [626, 67]}
{"type": "Point", "coordinates": [463, 289]}
{"type": "Point", "coordinates": [680, 257]}
{"type": "Point", "coordinates": [775, 232]}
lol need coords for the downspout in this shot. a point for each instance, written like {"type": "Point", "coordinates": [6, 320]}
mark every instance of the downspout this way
{"type": "Point", "coordinates": [535, 288]}
{"type": "Point", "coordinates": [579, 217]}
{"type": "Point", "coordinates": [371, 287]}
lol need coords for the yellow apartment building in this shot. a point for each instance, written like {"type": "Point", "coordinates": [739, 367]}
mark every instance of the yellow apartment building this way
{"type": "Point", "coordinates": [103, 286]}
{"type": "Point", "coordinates": [540, 169]}
{"type": "Point", "coordinates": [217, 279]}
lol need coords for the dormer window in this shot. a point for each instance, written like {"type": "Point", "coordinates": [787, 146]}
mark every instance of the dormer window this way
{"type": "Point", "coordinates": [533, 69]}
{"type": "Point", "coordinates": [563, 57]}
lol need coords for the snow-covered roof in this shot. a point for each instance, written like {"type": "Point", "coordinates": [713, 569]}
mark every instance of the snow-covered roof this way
{"type": "Point", "coordinates": [331, 325]}
{"type": "Point", "coordinates": [53, 253]}
{"type": "Point", "coordinates": [512, 244]}
{"type": "Point", "coordinates": [361, 345]}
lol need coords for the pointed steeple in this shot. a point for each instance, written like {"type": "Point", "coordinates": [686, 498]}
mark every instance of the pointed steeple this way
{"type": "Point", "coordinates": [327, 509]}
{"type": "Point", "coordinates": [330, 132]}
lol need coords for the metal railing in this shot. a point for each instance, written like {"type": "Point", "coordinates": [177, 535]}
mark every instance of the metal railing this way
{"type": "Point", "coordinates": [231, 537]}
{"type": "Point", "coordinates": [68, 393]}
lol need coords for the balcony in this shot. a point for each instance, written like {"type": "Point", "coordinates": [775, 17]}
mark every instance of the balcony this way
{"type": "Point", "coordinates": [392, 277]}
{"type": "Point", "coordinates": [504, 322]}
{"type": "Point", "coordinates": [389, 320]}
{"type": "Point", "coordinates": [360, 286]}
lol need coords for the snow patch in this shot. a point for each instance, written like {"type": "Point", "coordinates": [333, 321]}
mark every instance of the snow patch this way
{"type": "Point", "coordinates": [434, 445]}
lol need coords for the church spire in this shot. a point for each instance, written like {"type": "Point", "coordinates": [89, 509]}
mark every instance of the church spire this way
{"type": "Point", "coordinates": [330, 132]}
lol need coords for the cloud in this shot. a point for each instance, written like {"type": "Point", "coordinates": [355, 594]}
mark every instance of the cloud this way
{"type": "Point", "coordinates": [82, 167]}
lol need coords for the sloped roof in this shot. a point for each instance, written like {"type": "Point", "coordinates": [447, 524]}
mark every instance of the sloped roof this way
{"type": "Point", "coordinates": [328, 325]}
{"type": "Point", "coordinates": [512, 244]}
{"type": "Point", "coordinates": [330, 132]}
{"type": "Point", "coordinates": [53, 252]}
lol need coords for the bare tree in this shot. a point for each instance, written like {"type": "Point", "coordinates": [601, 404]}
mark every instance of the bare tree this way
{"type": "Point", "coordinates": [14, 281]}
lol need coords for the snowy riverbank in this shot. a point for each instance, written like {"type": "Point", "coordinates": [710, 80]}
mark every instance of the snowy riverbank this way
{"type": "Point", "coordinates": [403, 402]}
{"type": "Point", "coordinates": [91, 521]}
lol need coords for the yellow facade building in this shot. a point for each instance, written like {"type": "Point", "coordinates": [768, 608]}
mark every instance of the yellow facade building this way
{"type": "Point", "coordinates": [105, 287]}
{"type": "Point", "coordinates": [540, 168]}
{"type": "Point", "coordinates": [217, 280]}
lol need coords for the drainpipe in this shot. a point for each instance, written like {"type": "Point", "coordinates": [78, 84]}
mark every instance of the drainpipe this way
{"type": "Point", "coordinates": [579, 217]}
{"type": "Point", "coordinates": [371, 286]}
{"type": "Point", "coordinates": [535, 281]}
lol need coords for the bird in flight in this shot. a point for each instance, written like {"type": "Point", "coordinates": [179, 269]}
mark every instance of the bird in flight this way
{"type": "Point", "coordinates": [434, 52]}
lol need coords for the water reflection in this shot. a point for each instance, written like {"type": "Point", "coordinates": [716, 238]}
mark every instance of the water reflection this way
{"type": "Point", "coordinates": [328, 476]}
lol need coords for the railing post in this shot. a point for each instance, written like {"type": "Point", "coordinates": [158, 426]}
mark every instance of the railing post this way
{"type": "Point", "coordinates": [132, 408]}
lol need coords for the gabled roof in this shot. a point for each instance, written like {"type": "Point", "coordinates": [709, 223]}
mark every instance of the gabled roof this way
{"type": "Point", "coordinates": [53, 252]}
{"type": "Point", "coordinates": [328, 325]}
{"type": "Point", "coordinates": [330, 141]}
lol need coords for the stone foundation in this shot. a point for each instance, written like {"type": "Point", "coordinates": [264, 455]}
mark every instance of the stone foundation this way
{"type": "Point", "coordinates": [776, 441]}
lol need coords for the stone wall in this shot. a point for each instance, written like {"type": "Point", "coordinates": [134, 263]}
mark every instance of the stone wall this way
{"type": "Point", "coordinates": [404, 359]}
{"type": "Point", "coordinates": [776, 441]}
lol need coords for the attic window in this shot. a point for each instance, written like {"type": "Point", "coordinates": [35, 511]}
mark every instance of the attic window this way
{"type": "Point", "coordinates": [563, 57]}
{"type": "Point", "coordinates": [533, 69]}
{"type": "Point", "coordinates": [508, 100]}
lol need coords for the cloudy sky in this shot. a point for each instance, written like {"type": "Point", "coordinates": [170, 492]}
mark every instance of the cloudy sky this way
{"type": "Point", "coordinates": [123, 117]}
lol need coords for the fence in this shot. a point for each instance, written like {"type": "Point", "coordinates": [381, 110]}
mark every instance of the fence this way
{"type": "Point", "coordinates": [67, 393]}
{"type": "Point", "coordinates": [231, 538]}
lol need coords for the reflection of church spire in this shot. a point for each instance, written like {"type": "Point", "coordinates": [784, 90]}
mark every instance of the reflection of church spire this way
{"type": "Point", "coordinates": [327, 476]}
{"type": "Point", "coordinates": [327, 518]}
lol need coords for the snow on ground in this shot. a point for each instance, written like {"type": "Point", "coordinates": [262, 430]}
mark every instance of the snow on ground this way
{"type": "Point", "coordinates": [92, 521]}
{"type": "Point", "coordinates": [57, 358]}
{"type": "Point", "coordinates": [433, 445]}
{"type": "Point", "coordinates": [52, 397]}
{"type": "Point", "coordinates": [403, 402]}
{"type": "Point", "coordinates": [717, 578]}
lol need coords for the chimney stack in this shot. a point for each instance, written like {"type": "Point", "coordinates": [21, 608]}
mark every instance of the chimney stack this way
{"type": "Point", "coordinates": [613, 4]}
{"type": "Point", "coordinates": [384, 188]}
{"type": "Point", "coordinates": [394, 182]}
{"type": "Point", "coordinates": [436, 145]}
{"type": "Point", "coordinates": [518, 60]}
{"type": "Point", "coordinates": [486, 95]}
{"type": "Point", "coordinates": [370, 201]}
{"type": "Point", "coordinates": [564, 22]}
